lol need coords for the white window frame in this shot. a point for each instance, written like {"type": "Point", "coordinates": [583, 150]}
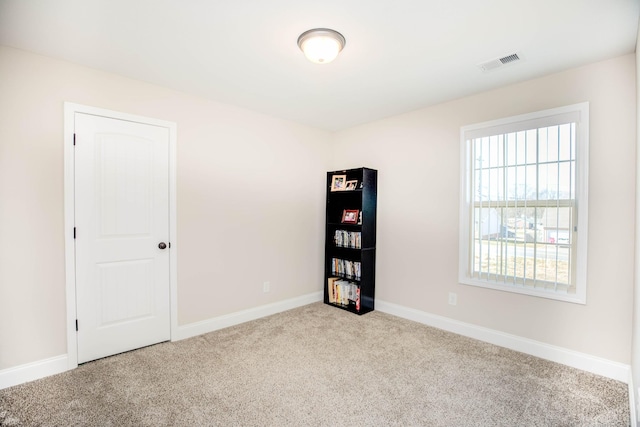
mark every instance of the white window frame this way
{"type": "Point", "coordinates": [578, 113]}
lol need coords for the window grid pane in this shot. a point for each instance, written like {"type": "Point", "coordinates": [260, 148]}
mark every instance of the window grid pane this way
{"type": "Point", "coordinates": [523, 207]}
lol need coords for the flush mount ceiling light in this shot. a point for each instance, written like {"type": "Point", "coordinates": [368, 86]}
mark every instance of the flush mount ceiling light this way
{"type": "Point", "coordinates": [321, 45]}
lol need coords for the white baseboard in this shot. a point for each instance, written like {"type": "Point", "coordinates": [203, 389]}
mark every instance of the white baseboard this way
{"type": "Point", "coordinates": [33, 371]}
{"type": "Point", "coordinates": [607, 368]}
{"type": "Point", "coordinates": [220, 322]}
{"type": "Point", "coordinates": [596, 365]}
{"type": "Point", "coordinates": [55, 365]}
{"type": "Point", "coordinates": [633, 408]}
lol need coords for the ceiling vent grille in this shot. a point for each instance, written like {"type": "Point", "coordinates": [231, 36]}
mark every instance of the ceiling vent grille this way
{"type": "Point", "coordinates": [497, 63]}
{"type": "Point", "coordinates": [510, 58]}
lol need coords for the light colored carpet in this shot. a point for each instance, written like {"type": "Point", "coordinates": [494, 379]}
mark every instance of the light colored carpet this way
{"type": "Point", "coordinates": [320, 366]}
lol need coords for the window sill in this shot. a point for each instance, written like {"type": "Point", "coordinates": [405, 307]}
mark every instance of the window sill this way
{"type": "Point", "coordinates": [524, 290]}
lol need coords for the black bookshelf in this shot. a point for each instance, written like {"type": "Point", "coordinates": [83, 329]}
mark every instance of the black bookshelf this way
{"type": "Point", "coordinates": [350, 240]}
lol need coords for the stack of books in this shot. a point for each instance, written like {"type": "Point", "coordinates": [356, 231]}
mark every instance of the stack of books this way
{"type": "Point", "coordinates": [348, 239]}
{"type": "Point", "coordinates": [344, 293]}
{"type": "Point", "coordinates": [346, 268]}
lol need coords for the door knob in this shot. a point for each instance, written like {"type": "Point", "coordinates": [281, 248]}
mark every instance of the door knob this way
{"type": "Point", "coordinates": [162, 245]}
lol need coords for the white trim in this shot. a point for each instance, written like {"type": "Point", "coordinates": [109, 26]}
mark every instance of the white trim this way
{"type": "Point", "coordinates": [173, 227]}
{"type": "Point", "coordinates": [221, 322]}
{"type": "Point", "coordinates": [579, 113]}
{"type": "Point", "coordinates": [69, 242]}
{"type": "Point", "coordinates": [607, 368]}
{"type": "Point", "coordinates": [552, 117]}
{"type": "Point", "coordinates": [33, 371]}
{"type": "Point", "coordinates": [586, 362]}
{"type": "Point", "coordinates": [582, 200]}
{"type": "Point", "coordinates": [542, 293]}
{"type": "Point", "coordinates": [70, 109]}
{"type": "Point", "coordinates": [632, 401]}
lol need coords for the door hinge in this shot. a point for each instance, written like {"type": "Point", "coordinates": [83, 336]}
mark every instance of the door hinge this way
{"type": "Point", "coordinates": [74, 139]}
{"type": "Point", "coordinates": [76, 325]}
{"type": "Point", "coordinates": [74, 232]}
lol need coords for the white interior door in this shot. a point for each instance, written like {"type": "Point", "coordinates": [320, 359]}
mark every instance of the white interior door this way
{"type": "Point", "coordinates": [121, 224]}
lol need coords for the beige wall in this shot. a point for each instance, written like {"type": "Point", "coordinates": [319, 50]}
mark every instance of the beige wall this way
{"type": "Point", "coordinates": [250, 200]}
{"type": "Point", "coordinates": [251, 204]}
{"type": "Point", "coordinates": [418, 158]}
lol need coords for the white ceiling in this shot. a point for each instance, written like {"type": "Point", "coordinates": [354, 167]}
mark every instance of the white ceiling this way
{"type": "Point", "coordinates": [400, 55]}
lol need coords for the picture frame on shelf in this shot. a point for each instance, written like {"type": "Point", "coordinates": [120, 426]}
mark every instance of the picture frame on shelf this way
{"type": "Point", "coordinates": [350, 216]}
{"type": "Point", "coordinates": [338, 182]}
{"type": "Point", "coordinates": [351, 185]}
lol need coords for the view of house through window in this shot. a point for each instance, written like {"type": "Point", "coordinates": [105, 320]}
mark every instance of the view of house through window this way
{"type": "Point", "coordinates": [522, 205]}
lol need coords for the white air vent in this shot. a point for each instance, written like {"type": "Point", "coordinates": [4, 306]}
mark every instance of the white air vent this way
{"type": "Point", "coordinates": [500, 62]}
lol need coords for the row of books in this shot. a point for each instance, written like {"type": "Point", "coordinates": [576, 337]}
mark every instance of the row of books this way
{"type": "Point", "coordinates": [348, 239]}
{"type": "Point", "coordinates": [343, 292]}
{"type": "Point", "coordinates": [346, 268]}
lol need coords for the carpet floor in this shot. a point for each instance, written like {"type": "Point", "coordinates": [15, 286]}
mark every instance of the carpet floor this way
{"type": "Point", "coordinates": [320, 366]}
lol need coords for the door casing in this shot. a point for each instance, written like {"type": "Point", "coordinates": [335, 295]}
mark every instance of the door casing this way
{"type": "Point", "coordinates": [70, 109]}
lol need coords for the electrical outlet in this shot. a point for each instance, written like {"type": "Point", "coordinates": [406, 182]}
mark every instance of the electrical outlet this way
{"type": "Point", "coordinates": [453, 298]}
{"type": "Point", "coordinates": [266, 287]}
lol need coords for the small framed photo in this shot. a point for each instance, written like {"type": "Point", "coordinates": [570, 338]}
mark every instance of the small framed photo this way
{"type": "Point", "coordinates": [351, 185]}
{"type": "Point", "coordinates": [338, 182]}
{"type": "Point", "coordinates": [350, 216]}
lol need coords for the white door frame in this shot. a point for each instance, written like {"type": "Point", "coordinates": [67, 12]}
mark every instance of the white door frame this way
{"type": "Point", "coordinates": [70, 109]}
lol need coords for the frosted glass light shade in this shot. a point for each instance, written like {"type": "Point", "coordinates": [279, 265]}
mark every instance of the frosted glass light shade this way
{"type": "Point", "coordinates": [321, 45]}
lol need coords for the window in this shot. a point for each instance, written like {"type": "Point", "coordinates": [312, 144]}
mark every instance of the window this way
{"type": "Point", "coordinates": [523, 203]}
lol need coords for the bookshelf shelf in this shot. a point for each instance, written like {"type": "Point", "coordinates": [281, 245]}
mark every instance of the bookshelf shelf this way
{"type": "Point", "coordinates": [350, 240]}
